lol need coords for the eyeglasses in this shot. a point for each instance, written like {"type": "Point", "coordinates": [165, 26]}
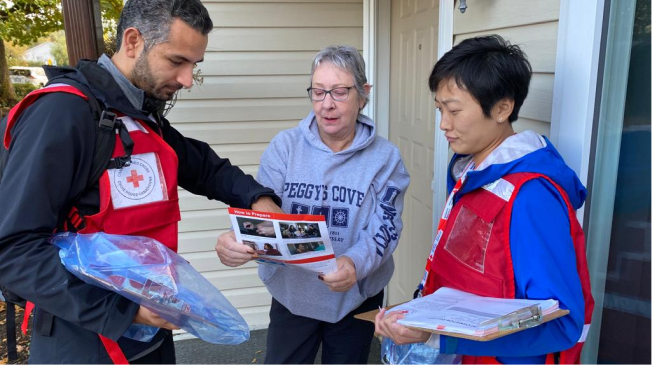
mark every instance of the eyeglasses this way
{"type": "Point", "coordinates": [338, 93]}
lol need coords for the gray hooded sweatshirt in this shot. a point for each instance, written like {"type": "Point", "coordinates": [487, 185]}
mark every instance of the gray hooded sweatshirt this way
{"type": "Point", "coordinates": [360, 191]}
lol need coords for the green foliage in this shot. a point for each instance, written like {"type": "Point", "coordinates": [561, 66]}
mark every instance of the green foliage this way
{"type": "Point", "coordinates": [59, 50]}
{"type": "Point", "coordinates": [111, 9]}
{"type": "Point", "coordinates": [20, 90]}
{"type": "Point", "coordinates": [15, 55]}
{"type": "Point", "coordinates": [110, 14]}
{"type": "Point", "coordinates": [23, 89]}
{"type": "Point", "coordinates": [25, 21]}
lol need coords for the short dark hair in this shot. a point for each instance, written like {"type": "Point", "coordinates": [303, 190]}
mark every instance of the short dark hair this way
{"type": "Point", "coordinates": [154, 17]}
{"type": "Point", "coordinates": [489, 68]}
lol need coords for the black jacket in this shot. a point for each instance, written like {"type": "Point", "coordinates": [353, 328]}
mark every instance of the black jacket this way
{"type": "Point", "coordinates": [49, 164]}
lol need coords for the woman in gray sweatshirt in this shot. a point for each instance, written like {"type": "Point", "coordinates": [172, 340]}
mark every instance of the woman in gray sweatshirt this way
{"type": "Point", "coordinates": [332, 164]}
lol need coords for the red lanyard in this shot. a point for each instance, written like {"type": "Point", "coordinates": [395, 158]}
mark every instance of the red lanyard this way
{"type": "Point", "coordinates": [442, 225]}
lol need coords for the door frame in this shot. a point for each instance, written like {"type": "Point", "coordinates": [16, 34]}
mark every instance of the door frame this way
{"type": "Point", "coordinates": [376, 53]}
{"type": "Point", "coordinates": [577, 81]}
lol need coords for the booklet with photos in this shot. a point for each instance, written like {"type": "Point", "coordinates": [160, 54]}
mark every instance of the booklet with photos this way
{"type": "Point", "coordinates": [299, 240]}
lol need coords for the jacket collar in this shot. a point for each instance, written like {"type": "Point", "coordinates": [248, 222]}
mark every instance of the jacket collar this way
{"type": "Point", "coordinates": [103, 86]}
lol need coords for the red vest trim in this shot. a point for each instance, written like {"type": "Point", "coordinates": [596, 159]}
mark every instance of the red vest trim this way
{"type": "Point", "coordinates": [461, 262]}
{"type": "Point", "coordinates": [28, 100]}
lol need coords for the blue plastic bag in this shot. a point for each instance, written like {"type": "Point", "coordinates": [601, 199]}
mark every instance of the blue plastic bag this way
{"type": "Point", "coordinates": [148, 273]}
{"type": "Point", "coordinates": [414, 353]}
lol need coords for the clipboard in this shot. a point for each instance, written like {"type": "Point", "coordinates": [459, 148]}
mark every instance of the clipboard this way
{"type": "Point", "coordinates": [510, 324]}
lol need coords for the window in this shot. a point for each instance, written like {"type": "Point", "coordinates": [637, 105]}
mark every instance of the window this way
{"type": "Point", "coordinates": [619, 229]}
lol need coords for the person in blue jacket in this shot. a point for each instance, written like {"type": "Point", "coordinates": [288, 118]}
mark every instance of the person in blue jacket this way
{"type": "Point", "coordinates": [509, 229]}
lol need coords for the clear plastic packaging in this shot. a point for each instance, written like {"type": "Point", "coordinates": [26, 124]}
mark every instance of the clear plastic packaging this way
{"type": "Point", "coordinates": [148, 273]}
{"type": "Point", "coordinates": [415, 353]}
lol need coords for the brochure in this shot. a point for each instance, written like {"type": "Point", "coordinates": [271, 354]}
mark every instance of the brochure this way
{"type": "Point", "coordinates": [300, 240]}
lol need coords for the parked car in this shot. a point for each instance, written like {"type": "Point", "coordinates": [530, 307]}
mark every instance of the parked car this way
{"type": "Point", "coordinates": [30, 75]}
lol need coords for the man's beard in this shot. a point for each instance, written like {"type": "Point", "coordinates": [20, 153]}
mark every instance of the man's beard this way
{"type": "Point", "coordinates": [143, 79]}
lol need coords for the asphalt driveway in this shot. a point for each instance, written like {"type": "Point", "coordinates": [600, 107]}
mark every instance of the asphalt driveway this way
{"type": "Point", "coordinates": [194, 351]}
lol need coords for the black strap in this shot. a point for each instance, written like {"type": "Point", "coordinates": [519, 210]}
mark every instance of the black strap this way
{"type": "Point", "coordinates": [10, 311]}
{"type": "Point", "coordinates": [127, 146]}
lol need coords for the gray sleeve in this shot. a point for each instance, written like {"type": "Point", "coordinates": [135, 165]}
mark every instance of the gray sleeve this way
{"type": "Point", "coordinates": [272, 169]}
{"type": "Point", "coordinates": [379, 239]}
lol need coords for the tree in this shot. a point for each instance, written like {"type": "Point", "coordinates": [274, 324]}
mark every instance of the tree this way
{"type": "Point", "coordinates": [24, 22]}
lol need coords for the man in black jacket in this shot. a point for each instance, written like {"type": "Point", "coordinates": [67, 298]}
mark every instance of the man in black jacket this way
{"type": "Point", "coordinates": [48, 166]}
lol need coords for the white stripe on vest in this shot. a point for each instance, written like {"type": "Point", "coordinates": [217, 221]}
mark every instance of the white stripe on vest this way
{"type": "Point", "coordinates": [500, 188]}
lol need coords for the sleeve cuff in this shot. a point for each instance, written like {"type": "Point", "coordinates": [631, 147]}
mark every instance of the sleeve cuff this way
{"type": "Point", "coordinates": [268, 192]}
{"type": "Point", "coordinates": [120, 318]}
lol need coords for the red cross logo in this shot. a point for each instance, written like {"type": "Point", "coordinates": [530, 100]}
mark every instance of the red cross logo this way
{"type": "Point", "coordinates": [135, 178]}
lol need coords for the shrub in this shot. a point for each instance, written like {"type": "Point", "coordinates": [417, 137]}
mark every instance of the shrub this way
{"type": "Point", "coordinates": [23, 89]}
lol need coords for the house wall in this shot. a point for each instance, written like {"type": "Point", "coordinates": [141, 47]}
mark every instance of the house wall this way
{"type": "Point", "coordinates": [255, 74]}
{"type": "Point", "coordinates": [531, 24]}
{"type": "Point", "coordinates": [42, 53]}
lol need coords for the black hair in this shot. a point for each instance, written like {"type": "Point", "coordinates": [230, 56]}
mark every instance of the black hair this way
{"type": "Point", "coordinates": [154, 17]}
{"type": "Point", "coordinates": [489, 68]}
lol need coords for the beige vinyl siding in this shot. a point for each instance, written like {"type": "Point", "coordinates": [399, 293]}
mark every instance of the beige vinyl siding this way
{"type": "Point", "coordinates": [532, 24]}
{"type": "Point", "coordinates": [255, 74]}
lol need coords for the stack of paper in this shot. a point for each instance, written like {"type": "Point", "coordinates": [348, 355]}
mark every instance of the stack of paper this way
{"type": "Point", "coordinates": [453, 311]}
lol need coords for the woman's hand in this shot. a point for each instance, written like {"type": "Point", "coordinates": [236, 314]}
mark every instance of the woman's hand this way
{"type": "Point", "coordinates": [149, 318]}
{"type": "Point", "coordinates": [231, 252]}
{"type": "Point", "coordinates": [386, 326]}
{"type": "Point", "coordinates": [344, 278]}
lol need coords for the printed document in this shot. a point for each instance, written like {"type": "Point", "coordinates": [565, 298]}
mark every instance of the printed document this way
{"type": "Point", "coordinates": [300, 240]}
{"type": "Point", "coordinates": [454, 311]}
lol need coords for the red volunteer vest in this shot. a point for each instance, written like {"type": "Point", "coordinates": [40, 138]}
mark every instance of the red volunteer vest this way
{"type": "Point", "coordinates": [138, 200]}
{"type": "Point", "coordinates": [474, 253]}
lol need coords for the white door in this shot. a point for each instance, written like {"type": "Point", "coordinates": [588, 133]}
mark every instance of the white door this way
{"type": "Point", "coordinates": [413, 40]}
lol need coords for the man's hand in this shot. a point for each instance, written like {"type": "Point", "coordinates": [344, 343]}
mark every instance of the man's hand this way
{"type": "Point", "coordinates": [266, 204]}
{"type": "Point", "coordinates": [344, 278]}
{"type": "Point", "coordinates": [231, 252]}
{"type": "Point", "coordinates": [147, 317]}
{"type": "Point", "coordinates": [386, 326]}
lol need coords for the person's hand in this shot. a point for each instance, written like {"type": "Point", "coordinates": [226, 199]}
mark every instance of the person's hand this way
{"type": "Point", "coordinates": [266, 229]}
{"type": "Point", "coordinates": [386, 326]}
{"type": "Point", "coordinates": [231, 252]}
{"type": "Point", "coordinates": [149, 318]}
{"type": "Point", "coordinates": [248, 225]}
{"type": "Point", "coordinates": [344, 278]}
{"type": "Point", "coordinates": [266, 204]}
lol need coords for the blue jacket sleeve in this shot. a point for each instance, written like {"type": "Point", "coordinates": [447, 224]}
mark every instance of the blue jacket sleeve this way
{"type": "Point", "coordinates": [544, 267]}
